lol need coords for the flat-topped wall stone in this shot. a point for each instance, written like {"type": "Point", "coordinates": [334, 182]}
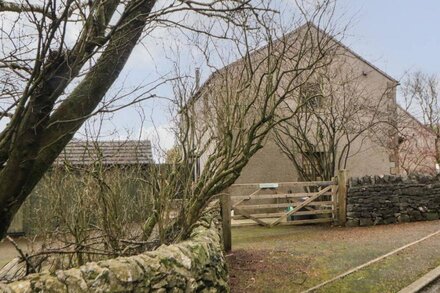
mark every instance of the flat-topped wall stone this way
{"type": "Point", "coordinates": [195, 265]}
{"type": "Point", "coordinates": [375, 200]}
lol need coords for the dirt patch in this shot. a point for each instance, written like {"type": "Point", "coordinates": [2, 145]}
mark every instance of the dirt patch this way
{"type": "Point", "coordinates": [246, 266]}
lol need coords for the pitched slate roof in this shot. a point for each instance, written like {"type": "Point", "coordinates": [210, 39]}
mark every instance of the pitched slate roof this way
{"type": "Point", "coordinates": [307, 25]}
{"type": "Point", "coordinates": [127, 152]}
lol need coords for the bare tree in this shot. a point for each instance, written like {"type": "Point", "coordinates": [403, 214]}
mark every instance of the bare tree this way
{"type": "Point", "coordinates": [89, 207]}
{"type": "Point", "coordinates": [51, 84]}
{"type": "Point", "coordinates": [220, 126]}
{"type": "Point", "coordinates": [416, 144]}
{"type": "Point", "coordinates": [421, 93]}
{"type": "Point", "coordinates": [330, 117]}
{"type": "Point", "coordinates": [224, 123]}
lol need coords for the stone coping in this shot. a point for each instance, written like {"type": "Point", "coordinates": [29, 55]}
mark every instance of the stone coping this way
{"type": "Point", "coordinates": [195, 265]}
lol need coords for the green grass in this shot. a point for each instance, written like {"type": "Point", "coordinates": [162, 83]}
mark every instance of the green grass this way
{"type": "Point", "coordinates": [292, 259]}
{"type": "Point", "coordinates": [392, 273]}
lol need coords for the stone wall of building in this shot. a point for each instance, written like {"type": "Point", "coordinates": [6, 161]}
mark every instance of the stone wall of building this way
{"type": "Point", "coordinates": [375, 200]}
{"type": "Point", "coordinates": [195, 265]}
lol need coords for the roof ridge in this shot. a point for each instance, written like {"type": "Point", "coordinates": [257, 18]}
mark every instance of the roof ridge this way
{"type": "Point", "coordinates": [287, 35]}
{"type": "Point", "coordinates": [411, 116]}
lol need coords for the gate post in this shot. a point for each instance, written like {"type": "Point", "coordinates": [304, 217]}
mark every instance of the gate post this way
{"type": "Point", "coordinates": [335, 200]}
{"type": "Point", "coordinates": [342, 197]}
{"type": "Point", "coordinates": [225, 201]}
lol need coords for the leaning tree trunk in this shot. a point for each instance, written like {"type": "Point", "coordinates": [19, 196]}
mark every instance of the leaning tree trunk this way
{"type": "Point", "coordinates": [38, 145]}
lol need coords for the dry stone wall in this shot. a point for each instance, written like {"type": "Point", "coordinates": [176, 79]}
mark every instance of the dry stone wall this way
{"type": "Point", "coordinates": [375, 200]}
{"type": "Point", "coordinates": [195, 265]}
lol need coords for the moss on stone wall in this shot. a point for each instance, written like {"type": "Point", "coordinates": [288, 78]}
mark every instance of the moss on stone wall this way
{"type": "Point", "coordinates": [195, 265]}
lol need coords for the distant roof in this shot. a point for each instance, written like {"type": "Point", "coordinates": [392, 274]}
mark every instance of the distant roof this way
{"type": "Point", "coordinates": [127, 152]}
{"type": "Point", "coordinates": [412, 117]}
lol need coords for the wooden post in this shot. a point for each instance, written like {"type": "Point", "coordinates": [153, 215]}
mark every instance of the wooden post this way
{"type": "Point", "coordinates": [334, 199]}
{"type": "Point", "coordinates": [342, 197]}
{"type": "Point", "coordinates": [225, 201]}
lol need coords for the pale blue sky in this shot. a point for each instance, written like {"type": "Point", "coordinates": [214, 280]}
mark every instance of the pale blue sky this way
{"type": "Point", "coordinates": [396, 36]}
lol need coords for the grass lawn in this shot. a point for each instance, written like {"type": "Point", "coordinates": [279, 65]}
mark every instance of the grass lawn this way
{"type": "Point", "coordinates": [293, 258]}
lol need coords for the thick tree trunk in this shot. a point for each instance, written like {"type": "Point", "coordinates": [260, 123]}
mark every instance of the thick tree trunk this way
{"type": "Point", "coordinates": [31, 158]}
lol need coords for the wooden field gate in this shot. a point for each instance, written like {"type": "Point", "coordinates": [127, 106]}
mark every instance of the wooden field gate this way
{"type": "Point", "coordinates": [286, 203]}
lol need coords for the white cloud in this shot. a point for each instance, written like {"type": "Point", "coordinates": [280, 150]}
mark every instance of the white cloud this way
{"type": "Point", "coordinates": [162, 139]}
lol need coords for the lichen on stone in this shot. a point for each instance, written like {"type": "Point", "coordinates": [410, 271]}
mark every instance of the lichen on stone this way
{"type": "Point", "coordinates": [194, 265]}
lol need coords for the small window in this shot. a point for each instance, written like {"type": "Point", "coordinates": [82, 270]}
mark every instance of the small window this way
{"type": "Point", "coordinates": [311, 95]}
